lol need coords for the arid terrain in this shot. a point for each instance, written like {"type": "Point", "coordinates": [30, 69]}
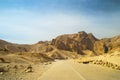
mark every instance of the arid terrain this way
{"type": "Point", "coordinates": [79, 56]}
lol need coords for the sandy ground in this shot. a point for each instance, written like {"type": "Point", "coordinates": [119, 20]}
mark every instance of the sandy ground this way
{"type": "Point", "coordinates": [20, 73]}
{"type": "Point", "coordinates": [14, 67]}
{"type": "Point", "coordinates": [58, 70]}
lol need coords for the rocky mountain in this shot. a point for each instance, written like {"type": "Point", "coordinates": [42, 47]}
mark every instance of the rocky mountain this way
{"type": "Point", "coordinates": [81, 43]}
{"type": "Point", "coordinates": [75, 42]}
{"type": "Point", "coordinates": [86, 44]}
{"type": "Point", "coordinates": [107, 45]}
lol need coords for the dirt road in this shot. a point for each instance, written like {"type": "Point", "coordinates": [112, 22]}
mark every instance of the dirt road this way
{"type": "Point", "coordinates": [70, 70]}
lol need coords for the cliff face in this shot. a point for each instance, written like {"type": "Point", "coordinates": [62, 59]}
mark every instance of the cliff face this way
{"type": "Point", "coordinates": [107, 45]}
{"type": "Point", "coordinates": [100, 48]}
{"type": "Point", "coordinates": [75, 42]}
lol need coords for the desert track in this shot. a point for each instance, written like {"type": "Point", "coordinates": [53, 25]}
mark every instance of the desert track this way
{"type": "Point", "coordinates": [70, 70]}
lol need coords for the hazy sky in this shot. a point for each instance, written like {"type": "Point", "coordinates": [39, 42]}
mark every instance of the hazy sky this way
{"type": "Point", "coordinates": [30, 21]}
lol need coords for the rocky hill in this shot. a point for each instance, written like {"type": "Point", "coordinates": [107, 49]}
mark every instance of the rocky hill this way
{"type": "Point", "coordinates": [7, 47]}
{"type": "Point", "coordinates": [107, 45]}
{"type": "Point", "coordinates": [75, 42]}
{"type": "Point", "coordinates": [81, 43]}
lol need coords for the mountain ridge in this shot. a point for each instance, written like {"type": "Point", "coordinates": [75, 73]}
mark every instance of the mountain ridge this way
{"type": "Point", "coordinates": [82, 43]}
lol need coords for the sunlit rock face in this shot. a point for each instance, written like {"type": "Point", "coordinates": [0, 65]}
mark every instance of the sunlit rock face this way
{"type": "Point", "coordinates": [75, 42]}
{"type": "Point", "coordinates": [107, 45]}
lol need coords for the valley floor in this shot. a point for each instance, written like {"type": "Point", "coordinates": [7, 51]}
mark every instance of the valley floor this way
{"type": "Point", "coordinates": [65, 70]}
{"type": "Point", "coordinates": [21, 72]}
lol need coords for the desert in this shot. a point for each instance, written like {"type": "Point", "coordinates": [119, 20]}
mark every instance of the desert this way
{"type": "Point", "coordinates": [61, 57]}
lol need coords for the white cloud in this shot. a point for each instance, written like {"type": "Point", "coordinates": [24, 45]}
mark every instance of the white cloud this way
{"type": "Point", "coordinates": [29, 27]}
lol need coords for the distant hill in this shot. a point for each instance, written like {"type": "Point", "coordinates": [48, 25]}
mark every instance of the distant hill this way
{"type": "Point", "coordinates": [7, 47]}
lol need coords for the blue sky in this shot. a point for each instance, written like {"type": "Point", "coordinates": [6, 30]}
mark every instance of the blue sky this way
{"type": "Point", "coordinates": [30, 21]}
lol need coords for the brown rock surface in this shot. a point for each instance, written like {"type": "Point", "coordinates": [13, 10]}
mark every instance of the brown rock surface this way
{"type": "Point", "coordinates": [99, 47]}
{"type": "Point", "coordinates": [7, 47]}
{"type": "Point", "coordinates": [107, 45]}
{"type": "Point", "coordinates": [75, 42]}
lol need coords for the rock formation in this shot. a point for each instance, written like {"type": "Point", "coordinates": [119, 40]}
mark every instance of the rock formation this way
{"type": "Point", "coordinates": [82, 43]}
{"type": "Point", "coordinates": [107, 45]}
{"type": "Point", "coordinates": [75, 42]}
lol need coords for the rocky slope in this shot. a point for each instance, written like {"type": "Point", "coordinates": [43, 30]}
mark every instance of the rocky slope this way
{"type": "Point", "coordinates": [82, 43]}
{"type": "Point", "coordinates": [107, 45]}
{"type": "Point", "coordinates": [75, 42]}
{"type": "Point", "coordinates": [7, 47]}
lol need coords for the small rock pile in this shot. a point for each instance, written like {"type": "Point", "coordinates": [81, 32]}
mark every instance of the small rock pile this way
{"type": "Point", "coordinates": [106, 64]}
